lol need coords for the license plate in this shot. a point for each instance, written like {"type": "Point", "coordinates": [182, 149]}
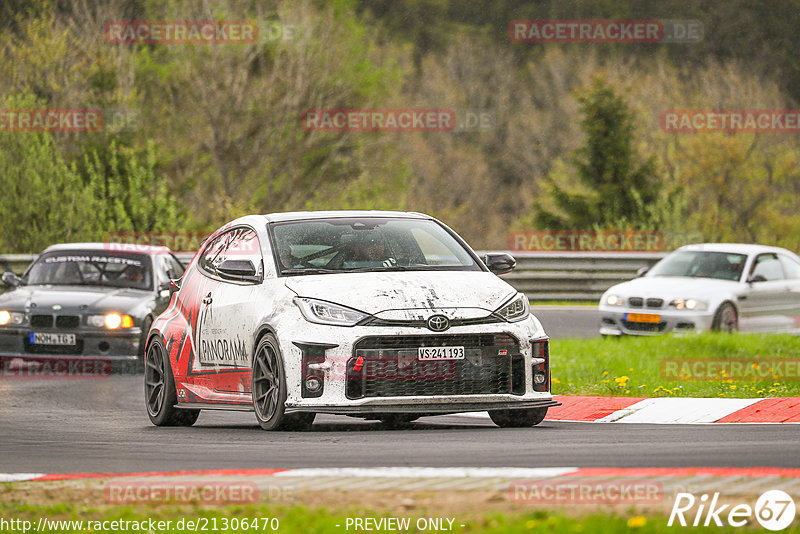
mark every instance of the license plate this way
{"type": "Point", "coordinates": [643, 318]}
{"type": "Point", "coordinates": [42, 338]}
{"type": "Point", "coordinates": [440, 353]}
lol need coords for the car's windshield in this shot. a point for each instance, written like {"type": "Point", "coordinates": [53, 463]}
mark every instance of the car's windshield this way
{"type": "Point", "coordinates": [92, 268]}
{"type": "Point", "coordinates": [367, 244]}
{"type": "Point", "coordinates": [701, 264]}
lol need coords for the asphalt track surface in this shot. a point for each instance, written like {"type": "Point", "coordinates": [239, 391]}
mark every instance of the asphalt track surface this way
{"type": "Point", "coordinates": [69, 426]}
{"type": "Point", "coordinates": [568, 321]}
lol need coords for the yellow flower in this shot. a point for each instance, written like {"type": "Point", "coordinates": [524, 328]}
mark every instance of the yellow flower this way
{"type": "Point", "coordinates": [605, 373]}
{"type": "Point", "coordinates": [733, 386]}
{"type": "Point", "coordinates": [773, 390]}
{"type": "Point", "coordinates": [530, 523]}
{"type": "Point", "coordinates": [637, 521]}
{"type": "Point", "coordinates": [776, 384]}
{"type": "Point", "coordinates": [631, 369]}
{"type": "Point", "coordinates": [555, 380]}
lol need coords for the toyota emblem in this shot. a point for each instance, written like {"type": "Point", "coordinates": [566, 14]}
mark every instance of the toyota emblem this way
{"type": "Point", "coordinates": [438, 323]}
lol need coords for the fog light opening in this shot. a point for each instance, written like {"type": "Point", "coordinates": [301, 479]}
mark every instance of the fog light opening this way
{"type": "Point", "coordinates": [539, 379]}
{"type": "Point", "coordinates": [313, 384]}
{"type": "Point", "coordinates": [103, 346]}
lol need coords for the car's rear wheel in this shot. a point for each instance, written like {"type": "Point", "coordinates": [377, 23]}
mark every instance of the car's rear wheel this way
{"type": "Point", "coordinates": [269, 390]}
{"type": "Point", "coordinates": [521, 418]}
{"type": "Point", "coordinates": [726, 319]}
{"type": "Point", "coordinates": [159, 390]}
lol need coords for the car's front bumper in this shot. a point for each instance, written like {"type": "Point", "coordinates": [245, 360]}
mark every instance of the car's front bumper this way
{"type": "Point", "coordinates": [614, 321]}
{"type": "Point", "coordinates": [341, 347]}
{"type": "Point", "coordinates": [120, 345]}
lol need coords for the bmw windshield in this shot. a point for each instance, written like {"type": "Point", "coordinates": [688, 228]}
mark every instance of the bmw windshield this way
{"type": "Point", "coordinates": [322, 246]}
{"type": "Point", "coordinates": [701, 264]}
{"type": "Point", "coordinates": [90, 268]}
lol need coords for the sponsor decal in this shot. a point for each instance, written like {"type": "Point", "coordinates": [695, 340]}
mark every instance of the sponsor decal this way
{"type": "Point", "coordinates": [223, 351]}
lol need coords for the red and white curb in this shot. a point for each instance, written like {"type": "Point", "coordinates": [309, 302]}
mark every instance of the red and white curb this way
{"type": "Point", "coordinates": [733, 481]}
{"type": "Point", "coordinates": [675, 410]}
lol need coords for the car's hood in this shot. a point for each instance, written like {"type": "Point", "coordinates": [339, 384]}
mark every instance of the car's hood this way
{"type": "Point", "coordinates": [673, 287]}
{"type": "Point", "coordinates": [72, 298]}
{"type": "Point", "coordinates": [411, 290]}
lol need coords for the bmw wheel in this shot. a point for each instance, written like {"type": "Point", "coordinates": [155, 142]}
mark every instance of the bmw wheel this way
{"type": "Point", "coordinates": [269, 390]}
{"type": "Point", "coordinates": [726, 319]}
{"type": "Point", "coordinates": [159, 390]}
{"type": "Point", "coordinates": [520, 418]}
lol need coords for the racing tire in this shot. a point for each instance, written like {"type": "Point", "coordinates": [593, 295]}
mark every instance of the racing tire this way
{"type": "Point", "coordinates": [397, 420]}
{"type": "Point", "coordinates": [159, 390]}
{"type": "Point", "coordinates": [269, 390]}
{"type": "Point", "coordinates": [522, 418]}
{"type": "Point", "coordinates": [726, 319]}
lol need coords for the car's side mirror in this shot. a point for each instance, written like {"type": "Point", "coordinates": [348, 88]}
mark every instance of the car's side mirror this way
{"type": "Point", "coordinates": [500, 263]}
{"type": "Point", "coordinates": [756, 278]}
{"type": "Point", "coordinates": [641, 271]}
{"type": "Point", "coordinates": [174, 287]}
{"type": "Point", "coordinates": [10, 279]}
{"type": "Point", "coordinates": [237, 269]}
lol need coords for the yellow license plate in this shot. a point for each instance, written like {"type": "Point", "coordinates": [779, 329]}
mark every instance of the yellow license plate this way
{"type": "Point", "coordinates": [643, 318]}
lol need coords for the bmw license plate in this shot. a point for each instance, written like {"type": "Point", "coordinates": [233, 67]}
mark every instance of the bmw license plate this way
{"type": "Point", "coordinates": [44, 338]}
{"type": "Point", "coordinates": [440, 353]}
{"type": "Point", "coordinates": [643, 318]}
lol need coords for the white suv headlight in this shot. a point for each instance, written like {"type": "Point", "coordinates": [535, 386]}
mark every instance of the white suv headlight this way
{"type": "Point", "coordinates": [322, 312]}
{"type": "Point", "coordinates": [515, 310]}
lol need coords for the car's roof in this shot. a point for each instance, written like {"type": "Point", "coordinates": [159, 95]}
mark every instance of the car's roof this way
{"type": "Point", "coordinates": [303, 215]}
{"type": "Point", "coordinates": [127, 248]}
{"type": "Point", "coordinates": [736, 248]}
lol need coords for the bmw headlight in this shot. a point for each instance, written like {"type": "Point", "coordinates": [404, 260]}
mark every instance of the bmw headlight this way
{"type": "Point", "coordinates": [12, 318]}
{"type": "Point", "coordinates": [515, 310]}
{"type": "Point", "coordinates": [322, 312]}
{"type": "Point", "coordinates": [689, 304]}
{"type": "Point", "coordinates": [112, 321]}
{"type": "Point", "coordinates": [614, 300]}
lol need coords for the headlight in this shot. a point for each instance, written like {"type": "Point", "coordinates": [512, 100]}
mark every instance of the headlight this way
{"type": "Point", "coordinates": [614, 300]}
{"type": "Point", "coordinates": [112, 321]}
{"type": "Point", "coordinates": [516, 310]}
{"type": "Point", "coordinates": [7, 317]}
{"type": "Point", "coordinates": [689, 304]}
{"type": "Point", "coordinates": [321, 312]}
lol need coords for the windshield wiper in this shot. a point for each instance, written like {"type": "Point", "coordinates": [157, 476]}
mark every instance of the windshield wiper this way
{"type": "Point", "coordinates": [314, 270]}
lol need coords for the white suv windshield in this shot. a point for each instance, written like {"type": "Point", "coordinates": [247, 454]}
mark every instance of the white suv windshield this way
{"type": "Point", "coordinates": [367, 244]}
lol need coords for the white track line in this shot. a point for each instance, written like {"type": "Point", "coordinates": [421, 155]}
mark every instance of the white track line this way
{"type": "Point", "coordinates": [678, 410]}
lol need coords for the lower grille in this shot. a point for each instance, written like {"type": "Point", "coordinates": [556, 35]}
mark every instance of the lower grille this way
{"type": "Point", "coordinates": [389, 367]}
{"type": "Point", "coordinates": [53, 349]}
{"type": "Point", "coordinates": [645, 327]}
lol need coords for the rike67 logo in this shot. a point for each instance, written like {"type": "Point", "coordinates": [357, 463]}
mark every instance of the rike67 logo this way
{"type": "Point", "coordinates": [774, 510]}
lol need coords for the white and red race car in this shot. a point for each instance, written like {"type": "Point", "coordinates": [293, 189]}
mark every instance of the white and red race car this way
{"type": "Point", "coordinates": [381, 315]}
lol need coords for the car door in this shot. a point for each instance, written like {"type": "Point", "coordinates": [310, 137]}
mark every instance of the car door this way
{"type": "Point", "coordinates": [228, 313]}
{"type": "Point", "coordinates": [766, 306]}
{"type": "Point", "coordinates": [791, 269]}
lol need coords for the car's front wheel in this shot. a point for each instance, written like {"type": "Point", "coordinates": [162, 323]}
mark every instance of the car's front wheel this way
{"type": "Point", "coordinates": [269, 390]}
{"type": "Point", "coordinates": [159, 390]}
{"type": "Point", "coordinates": [526, 417]}
{"type": "Point", "coordinates": [726, 319]}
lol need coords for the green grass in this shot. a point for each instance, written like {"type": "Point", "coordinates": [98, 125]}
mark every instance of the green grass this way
{"type": "Point", "coordinates": [302, 519]}
{"type": "Point", "coordinates": [633, 366]}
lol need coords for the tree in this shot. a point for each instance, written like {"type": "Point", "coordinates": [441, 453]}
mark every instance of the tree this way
{"type": "Point", "coordinates": [613, 185]}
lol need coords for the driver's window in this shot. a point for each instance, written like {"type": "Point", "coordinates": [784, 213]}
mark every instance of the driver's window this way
{"type": "Point", "coordinates": [768, 267]}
